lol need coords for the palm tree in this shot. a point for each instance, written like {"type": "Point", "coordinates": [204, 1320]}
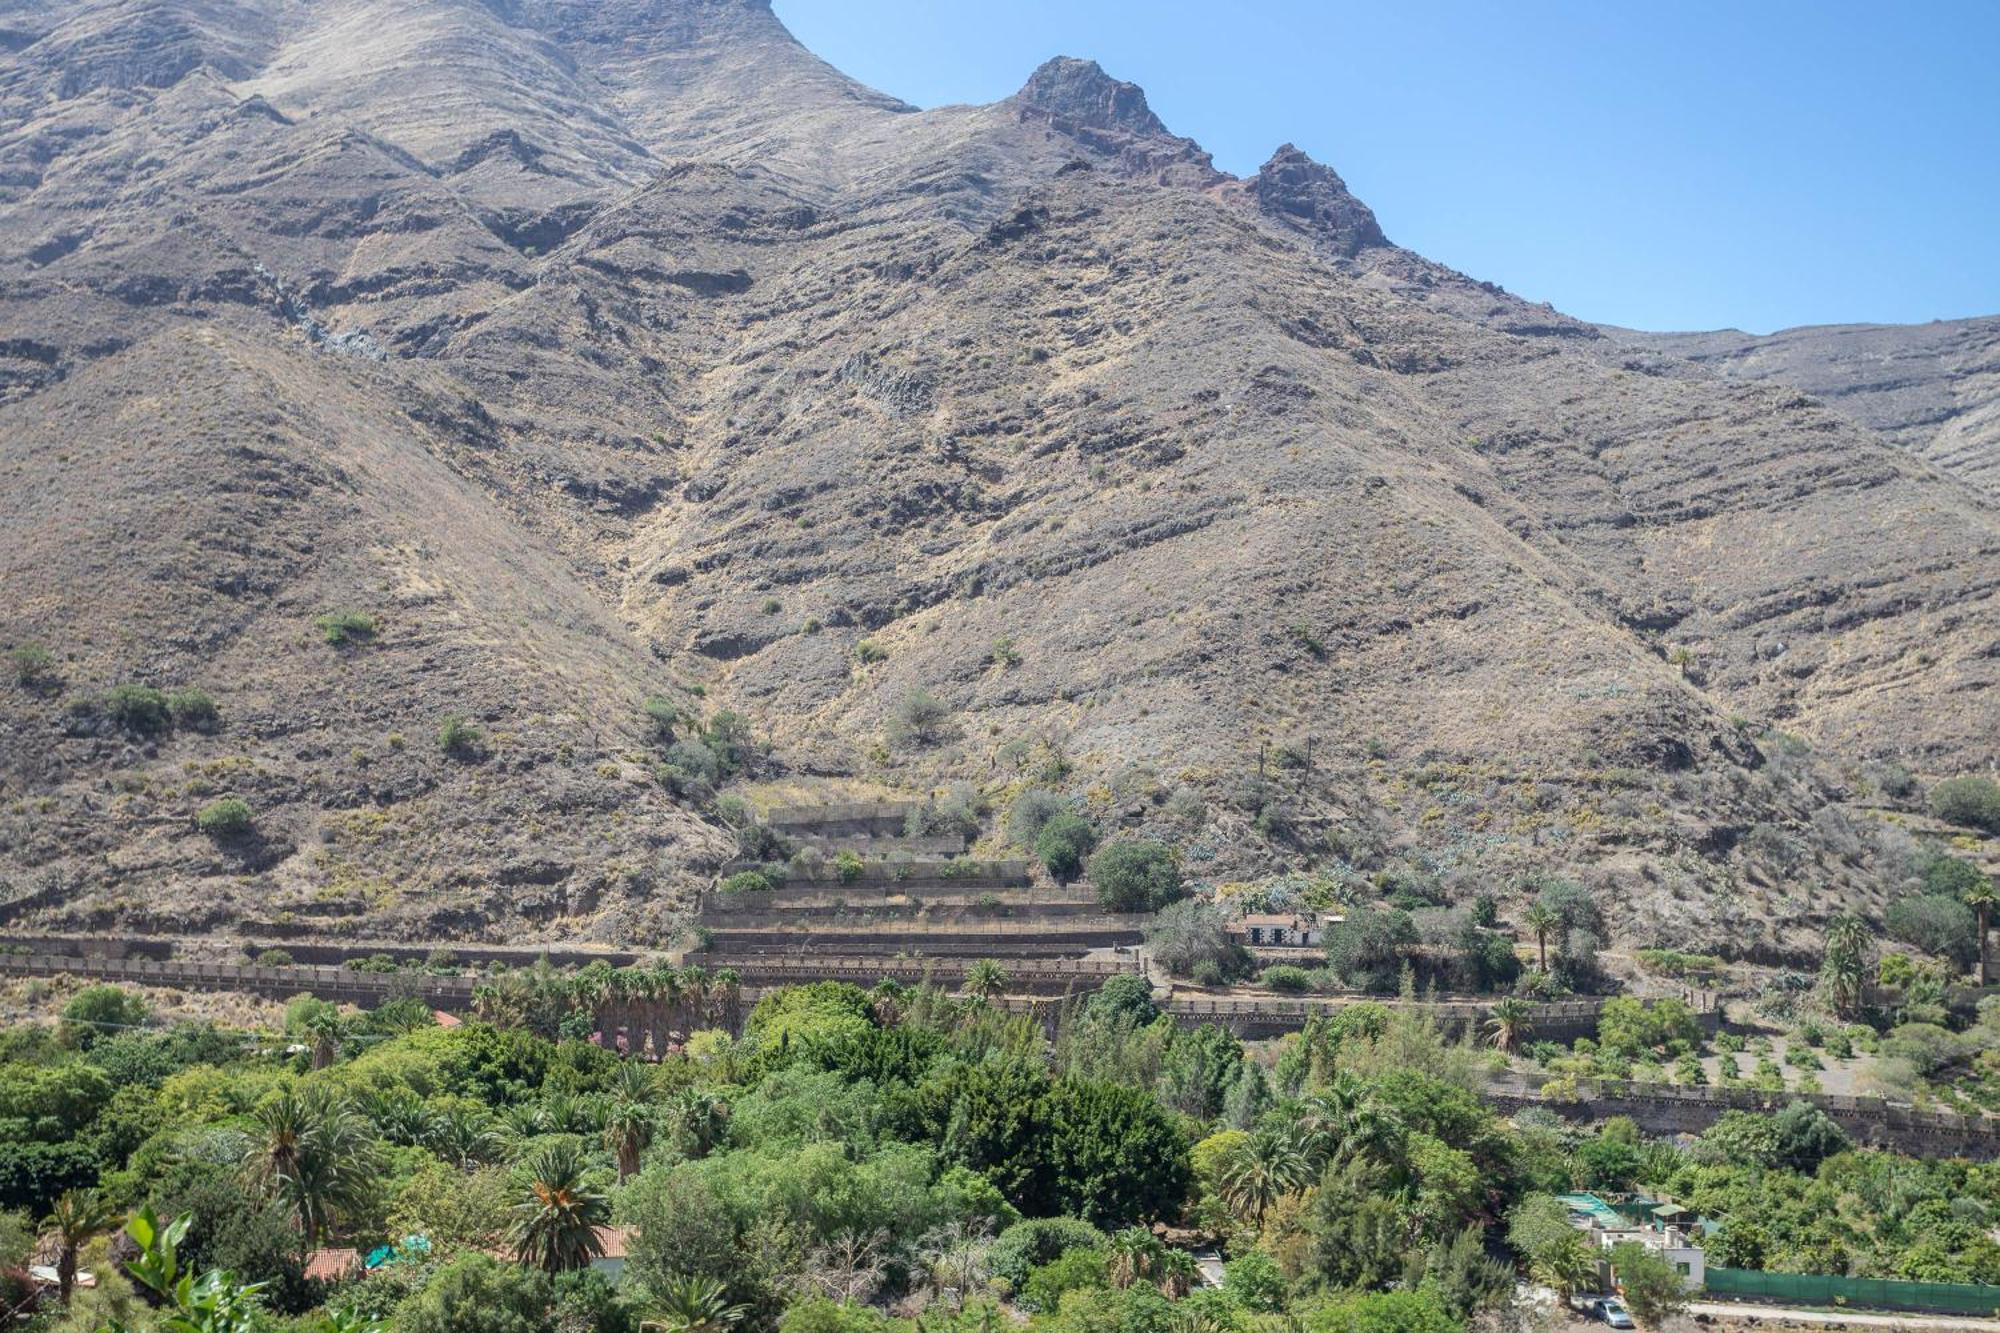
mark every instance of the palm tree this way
{"type": "Point", "coordinates": [1264, 1169]}
{"type": "Point", "coordinates": [1328, 1116]}
{"type": "Point", "coordinates": [315, 1152]}
{"type": "Point", "coordinates": [328, 1029]}
{"type": "Point", "coordinates": [698, 1117]}
{"type": "Point", "coordinates": [77, 1218]}
{"type": "Point", "coordinates": [1541, 919]}
{"type": "Point", "coordinates": [1130, 1256]}
{"type": "Point", "coordinates": [694, 1305]}
{"type": "Point", "coordinates": [986, 979]}
{"type": "Point", "coordinates": [1568, 1267]}
{"type": "Point", "coordinates": [1980, 898]}
{"type": "Point", "coordinates": [1510, 1021]}
{"type": "Point", "coordinates": [630, 1119]}
{"type": "Point", "coordinates": [463, 1135]}
{"type": "Point", "coordinates": [1175, 1272]}
{"type": "Point", "coordinates": [555, 1227]}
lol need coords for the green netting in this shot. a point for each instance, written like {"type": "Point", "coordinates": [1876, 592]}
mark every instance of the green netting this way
{"type": "Point", "coordinates": [1879, 1293]}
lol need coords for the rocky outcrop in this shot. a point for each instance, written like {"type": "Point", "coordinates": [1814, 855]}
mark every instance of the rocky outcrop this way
{"type": "Point", "coordinates": [1293, 187]}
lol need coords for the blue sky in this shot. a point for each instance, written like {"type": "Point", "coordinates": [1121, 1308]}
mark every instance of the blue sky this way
{"type": "Point", "coordinates": [1686, 165]}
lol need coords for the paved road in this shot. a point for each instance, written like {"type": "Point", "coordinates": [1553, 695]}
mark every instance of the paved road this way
{"type": "Point", "coordinates": [1777, 1313]}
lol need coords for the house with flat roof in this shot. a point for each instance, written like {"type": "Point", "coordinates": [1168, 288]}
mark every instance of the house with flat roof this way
{"type": "Point", "coordinates": [1660, 1225]}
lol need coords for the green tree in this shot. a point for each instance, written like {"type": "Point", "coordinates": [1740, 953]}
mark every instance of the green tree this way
{"type": "Point", "coordinates": [1135, 875]}
{"type": "Point", "coordinates": [1980, 897]}
{"type": "Point", "coordinates": [476, 1293]}
{"type": "Point", "coordinates": [1112, 1155]}
{"type": "Point", "coordinates": [694, 1305]}
{"type": "Point", "coordinates": [1383, 1312]}
{"type": "Point", "coordinates": [555, 1226]}
{"type": "Point", "coordinates": [78, 1217]}
{"type": "Point", "coordinates": [631, 1118]}
{"type": "Point", "coordinates": [1065, 839]}
{"type": "Point", "coordinates": [1653, 1289]}
{"type": "Point", "coordinates": [1937, 925]}
{"type": "Point", "coordinates": [1264, 1168]}
{"type": "Point", "coordinates": [1367, 950]}
{"type": "Point", "coordinates": [1845, 963]}
{"type": "Point", "coordinates": [315, 1152]}
{"type": "Point", "coordinates": [986, 979]}
{"type": "Point", "coordinates": [1541, 919]}
{"type": "Point", "coordinates": [98, 1012]}
{"type": "Point", "coordinates": [1970, 801]}
{"type": "Point", "coordinates": [1509, 1023]}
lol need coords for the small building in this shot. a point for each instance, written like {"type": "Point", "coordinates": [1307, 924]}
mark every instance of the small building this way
{"type": "Point", "coordinates": [613, 1242]}
{"type": "Point", "coordinates": [1658, 1224]}
{"type": "Point", "coordinates": [1277, 930]}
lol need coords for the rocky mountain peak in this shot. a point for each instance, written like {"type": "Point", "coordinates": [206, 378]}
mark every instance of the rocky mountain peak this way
{"type": "Point", "coordinates": [1081, 92]}
{"type": "Point", "coordinates": [1293, 186]}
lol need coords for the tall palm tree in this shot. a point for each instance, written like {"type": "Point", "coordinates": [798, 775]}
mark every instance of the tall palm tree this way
{"type": "Point", "coordinates": [1510, 1021]}
{"type": "Point", "coordinates": [1327, 1117]}
{"type": "Point", "coordinates": [328, 1029]}
{"type": "Point", "coordinates": [555, 1226]}
{"type": "Point", "coordinates": [315, 1152]}
{"type": "Point", "coordinates": [630, 1118]}
{"type": "Point", "coordinates": [1264, 1168]}
{"type": "Point", "coordinates": [694, 1305]}
{"type": "Point", "coordinates": [1541, 919]}
{"type": "Point", "coordinates": [986, 979]}
{"type": "Point", "coordinates": [77, 1218]}
{"type": "Point", "coordinates": [1980, 898]}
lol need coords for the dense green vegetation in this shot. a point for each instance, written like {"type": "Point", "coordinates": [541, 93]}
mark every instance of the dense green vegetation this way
{"type": "Point", "coordinates": [857, 1155]}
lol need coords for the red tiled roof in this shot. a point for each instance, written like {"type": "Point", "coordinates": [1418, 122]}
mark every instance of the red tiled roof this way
{"type": "Point", "coordinates": [612, 1239]}
{"type": "Point", "coordinates": [445, 1020]}
{"type": "Point", "coordinates": [332, 1265]}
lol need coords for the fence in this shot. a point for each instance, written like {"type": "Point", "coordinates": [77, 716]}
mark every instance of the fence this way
{"type": "Point", "coordinates": [1665, 1109]}
{"type": "Point", "coordinates": [1041, 975]}
{"type": "Point", "coordinates": [1880, 1293]}
{"type": "Point", "coordinates": [366, 989]}
{"type": "Point", "coordinates": [894, 876]}
{"type": "Point", "coordinates": [1255, 1018]}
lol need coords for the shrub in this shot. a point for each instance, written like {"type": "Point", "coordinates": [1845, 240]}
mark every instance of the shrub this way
{"type": "Point", "coordinates": [226, 818]}
{"type": "Point", "coordinates": [1029, 1245]}
{"type": "Point", "coordinates": [1063, 843]}
{"type": "Point", "coordinates": [341, 628]}
{"type": "Point", "coordinates": [1135, 875]}
{"type": "Point", "coordinates": [1937, 925]}
{"type": "Point", "coordinates": [689, 769]}
{"type": "Point", "coordinates": [138, 708]}
{"type": "Point", "coordinates": [664, 715]}
{"type": "Point", "coordinates": [868, 651]}
{"type": "Point", "coordinates": [848, 866]}
{"type": "Point", "coordinates": [1971, 801]}
{"type": "Point", "coordinates": [1366, 951]}
{"type": "Point", "coordinates": [456, 736]}
{"type": "Point", "coordinates": [919, 718]}
{"type": "Point", "coordinates": [98, 1012]}
{"type": "Point", "coordinates": [1031, 810]}
{"type": "Point", "coordinates": [1287, 977]}
{"type": "Point", "coordinates": [747, 881]}
{"type": "Point", "coordinates": [1192, 939]}
{"type": "Point", "coordinates": [193, 708]}
{"type": "Point", "coordinates": [1004, 654]}
{"type": "Point", "coordinates": [34, 666]}
{"type": "Point", "coordinates": [273, 958]}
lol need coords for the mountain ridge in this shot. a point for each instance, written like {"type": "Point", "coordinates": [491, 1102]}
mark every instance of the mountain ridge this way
{"type": "Point", "coordinates": [703, 364]}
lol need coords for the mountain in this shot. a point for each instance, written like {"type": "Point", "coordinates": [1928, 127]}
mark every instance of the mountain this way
{"type": "Point", "coordinates": [613, 350]}
{"type": "Point", "coordinates": [1932, 388]}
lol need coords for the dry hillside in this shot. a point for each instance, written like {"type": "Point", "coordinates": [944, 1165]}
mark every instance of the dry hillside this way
{"type": "Point", "coordinates": [613, 349]}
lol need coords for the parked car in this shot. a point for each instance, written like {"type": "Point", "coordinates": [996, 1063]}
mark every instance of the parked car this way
{"type": "Point", "coordinates": [1613, 1312]}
